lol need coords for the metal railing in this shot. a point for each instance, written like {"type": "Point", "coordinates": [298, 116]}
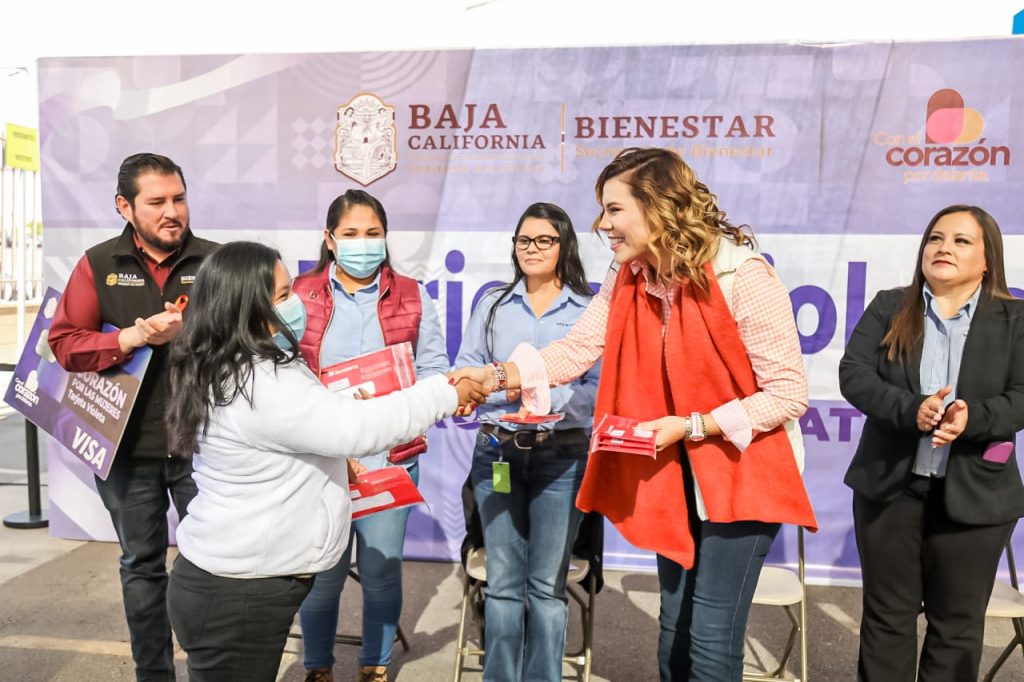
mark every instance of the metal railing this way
{"type": "Point", "coordinates": [21, 241]}
{"type": "Point", "coordinates": [21, 283]}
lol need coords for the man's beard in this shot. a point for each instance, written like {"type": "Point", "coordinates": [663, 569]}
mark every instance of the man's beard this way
{"type": "Point", "coordinates": [153, 239]}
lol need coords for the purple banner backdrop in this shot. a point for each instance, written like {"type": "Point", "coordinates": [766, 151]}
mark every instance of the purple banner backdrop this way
{"type": "Point", "coordinates": [85, 412]}
{"type": "Point", "coordinates": [836, 155]}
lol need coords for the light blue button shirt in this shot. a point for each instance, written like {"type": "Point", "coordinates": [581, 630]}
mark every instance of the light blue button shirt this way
{"type": "Point", "coordinates": [514, 322]}
{"type": "Point", "coordinates": [941, 355]}
{"type": "Point", "coordinates": [355, 330]}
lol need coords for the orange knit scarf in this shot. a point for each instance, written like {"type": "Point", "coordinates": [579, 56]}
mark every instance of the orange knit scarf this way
{"type": "Point", "coordinates": [700, 363]}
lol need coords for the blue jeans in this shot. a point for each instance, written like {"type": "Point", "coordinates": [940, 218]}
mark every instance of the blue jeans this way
{"type": "Point", "coordinates": [528, 535]}
{"type": "Point", "coordinates": [704, 609]}
{"type": "Point", "coordinates": [136, 495]}
{"type": "Point", "coordinates": [380, 538]}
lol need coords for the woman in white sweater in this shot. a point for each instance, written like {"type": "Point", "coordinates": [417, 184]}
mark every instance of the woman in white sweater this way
{"type": "Point", "coordinates": [269, 444]}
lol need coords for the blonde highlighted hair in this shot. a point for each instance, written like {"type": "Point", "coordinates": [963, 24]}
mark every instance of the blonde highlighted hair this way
{"type": "Point", "coordinates": [680, 211]}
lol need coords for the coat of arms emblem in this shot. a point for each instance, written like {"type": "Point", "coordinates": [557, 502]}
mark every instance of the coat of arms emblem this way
{"type": "Point", "coordinates": [365, 145]}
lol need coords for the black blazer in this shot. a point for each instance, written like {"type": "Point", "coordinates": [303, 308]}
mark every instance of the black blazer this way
{"type": "Point", "coordinates": [991, 382]}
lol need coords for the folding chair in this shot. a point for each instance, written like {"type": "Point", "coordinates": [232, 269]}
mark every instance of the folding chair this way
{"type": "Point", "coordinates": [1007, 602]}
{"type": "Point", "coordinates": [782, 587]}
{"type": "Point", "coordinates": [583, 581]}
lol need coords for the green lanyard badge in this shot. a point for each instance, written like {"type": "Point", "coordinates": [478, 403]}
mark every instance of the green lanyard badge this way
{"type": "Point", "coordinates": [501, 477]}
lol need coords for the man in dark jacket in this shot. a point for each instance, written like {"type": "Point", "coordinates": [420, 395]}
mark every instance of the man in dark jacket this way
{"type": "Point", "coordinates": [132, 283]}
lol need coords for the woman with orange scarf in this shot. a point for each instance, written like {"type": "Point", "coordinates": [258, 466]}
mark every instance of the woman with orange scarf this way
{"type": "Point", "coordinates": [700, 345]}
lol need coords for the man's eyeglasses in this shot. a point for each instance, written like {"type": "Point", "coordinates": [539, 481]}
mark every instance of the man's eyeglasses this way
{"type": "Point", "coordinates": [543, 242]}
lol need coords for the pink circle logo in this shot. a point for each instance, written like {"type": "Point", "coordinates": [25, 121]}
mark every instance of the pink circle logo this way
{"type": "Point", "coordinates": [949, 121]}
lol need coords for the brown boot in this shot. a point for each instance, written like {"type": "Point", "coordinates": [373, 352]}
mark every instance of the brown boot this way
{"type": "Point", "coordinates": [320, 675]}
{"type": "Point", "coordinates": [373, 673]}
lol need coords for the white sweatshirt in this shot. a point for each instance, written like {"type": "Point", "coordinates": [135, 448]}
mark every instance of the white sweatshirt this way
{"type": "Point", "coordinates": [273, 485]}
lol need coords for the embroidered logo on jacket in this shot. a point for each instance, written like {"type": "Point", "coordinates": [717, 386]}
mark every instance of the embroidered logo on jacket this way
{"type": "Point", "coordinates": [122, 279]}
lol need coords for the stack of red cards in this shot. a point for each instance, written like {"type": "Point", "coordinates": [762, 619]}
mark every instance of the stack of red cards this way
{"type": "Point", "coordinates": [619, 434]}
{"type": "Point", "coordinates": [383, 489]}
{"type": "Point", "coordinates": [378, 373]}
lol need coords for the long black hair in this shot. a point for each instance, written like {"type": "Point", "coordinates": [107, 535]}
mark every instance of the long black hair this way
{"type": "Point", "coordinates": [339, 207]}
{"type": "Point", "coordinates": [226, 329]}
{"type": "Point", "coordinates": [569, 268]}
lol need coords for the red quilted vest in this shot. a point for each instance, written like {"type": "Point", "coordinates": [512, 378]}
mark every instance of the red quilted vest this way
{"type": "Point", "coordinates": [398, 310]}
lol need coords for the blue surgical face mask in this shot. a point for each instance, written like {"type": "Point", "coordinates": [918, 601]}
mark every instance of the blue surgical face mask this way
{"type": "Point", "coordinates": [360, 257]}
{"type": "Point", "coordinates": [293, 314]}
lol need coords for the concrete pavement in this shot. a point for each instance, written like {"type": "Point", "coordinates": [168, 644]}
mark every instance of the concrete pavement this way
{"type": "Point", "coordinates": [61, 616]}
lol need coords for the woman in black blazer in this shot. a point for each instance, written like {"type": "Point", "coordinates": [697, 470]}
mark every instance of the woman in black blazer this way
{"type": "Point", "coordinates": [938, 370]}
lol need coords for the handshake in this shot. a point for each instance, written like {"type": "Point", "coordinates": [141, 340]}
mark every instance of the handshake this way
{"type": "Point", "coordinates": [474, 384]}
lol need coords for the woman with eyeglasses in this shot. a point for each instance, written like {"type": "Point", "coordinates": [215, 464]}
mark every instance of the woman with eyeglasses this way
{"type": "Point", "coordinates": [525, 476]}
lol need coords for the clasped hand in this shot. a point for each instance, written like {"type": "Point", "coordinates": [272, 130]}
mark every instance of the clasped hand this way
{"type": "Point", "coordinates": [472, 386]}
{"type": "Point", "coordinates": [945, 422]}
{"type": "Point", "coordinates": [155, 330]}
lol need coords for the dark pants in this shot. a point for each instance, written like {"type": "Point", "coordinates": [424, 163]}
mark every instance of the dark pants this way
{"type": "Point", "coordinates": [912, 553]}
{"type": "Point", "coordinates": [136, 495]}
{"type": "Point", "coordinates": [232, 629]}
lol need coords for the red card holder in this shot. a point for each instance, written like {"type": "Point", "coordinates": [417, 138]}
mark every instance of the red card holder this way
{"type": "Point", "coordinates": [400, 453]}
{"type": "Point", "coordinates": [383, 489]}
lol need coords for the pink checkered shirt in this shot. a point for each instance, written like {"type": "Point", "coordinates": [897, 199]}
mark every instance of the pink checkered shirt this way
{"type": "Point", "coordinates": [763, 313]}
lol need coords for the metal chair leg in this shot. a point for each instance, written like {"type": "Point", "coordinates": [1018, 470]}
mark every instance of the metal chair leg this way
{"type": "Point", "coordinates": [798, 627]}
{"type": "Point", "coordinates": [461, 637]}
{"type": "Point", "coordinates": [991, 675]}
{"type": "Point", "coordinates": [802, 571]}
{"type": "Point", "coordinates": [790, 642]}
{"type": "Point", "coordinates": [588, 630]}
{"type": "Point", "coordinates": [577, 656]}
{"type": "Point", "coordinates": [1018, 624]}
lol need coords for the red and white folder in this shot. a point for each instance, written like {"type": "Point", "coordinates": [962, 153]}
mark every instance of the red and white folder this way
{"type": "Point", "coordinates": [379, 373]}
{"type": "Point", "coordinates": [619, 434]}
{"type": "Point", "coordinates": [381, 490]}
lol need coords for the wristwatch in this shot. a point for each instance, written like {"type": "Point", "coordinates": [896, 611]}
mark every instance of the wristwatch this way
{"type": "Point", "coordinates": [695, 427]}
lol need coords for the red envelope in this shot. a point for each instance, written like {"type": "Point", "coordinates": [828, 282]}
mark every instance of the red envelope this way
{"type": "Point", "coordinates": [379, 373]}
{"type": "Point", "coordinates": [381, 490]}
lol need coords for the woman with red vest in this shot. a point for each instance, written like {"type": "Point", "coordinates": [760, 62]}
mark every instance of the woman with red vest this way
{"type": "Point", "coordinates": [699, 343]}
{"type": "Point", "coordinates": [355, 304]}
